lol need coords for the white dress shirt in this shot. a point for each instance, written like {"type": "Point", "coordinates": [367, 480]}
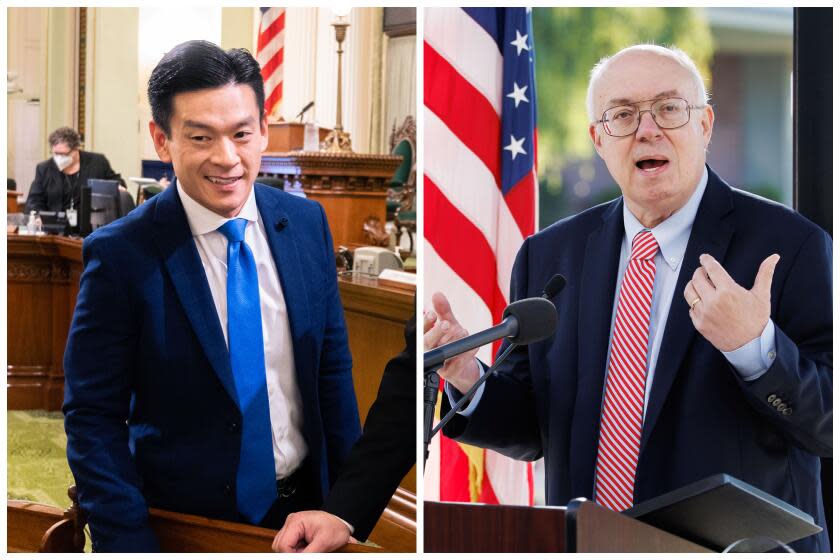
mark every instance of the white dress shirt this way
{"type": "Point", "coordinates": [285, 405]}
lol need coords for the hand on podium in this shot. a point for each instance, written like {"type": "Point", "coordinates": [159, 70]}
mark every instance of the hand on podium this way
{"type": "Point", "coordinates": [441, 327]}
{"type": "Point", "coordinates": [312, 531]}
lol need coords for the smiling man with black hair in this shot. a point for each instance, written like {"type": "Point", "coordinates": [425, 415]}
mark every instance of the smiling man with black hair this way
{"type": "Point", "coordinates": [207, 367]}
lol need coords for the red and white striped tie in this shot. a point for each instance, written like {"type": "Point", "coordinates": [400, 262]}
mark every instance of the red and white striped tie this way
{"type": "Point", "coordinates": [624, 398]}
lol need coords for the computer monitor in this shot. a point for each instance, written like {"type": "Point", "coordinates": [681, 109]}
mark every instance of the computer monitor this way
{"type": "Point", "coordinates": [100, 204]}
{"type": "Point", "coordinates": [54, 222]}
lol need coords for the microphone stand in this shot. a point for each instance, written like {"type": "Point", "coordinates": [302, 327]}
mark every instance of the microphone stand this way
{"type": "Point", "coordinates": [428, 432]}
{"type": "Point", "coordinates": [430, 391]}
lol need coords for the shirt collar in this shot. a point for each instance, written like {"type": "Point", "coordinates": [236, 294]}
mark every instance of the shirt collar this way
{"type": "Point", "coordinates": [673, 233]}
{"type": "Point", "coordinates": [203, 220]}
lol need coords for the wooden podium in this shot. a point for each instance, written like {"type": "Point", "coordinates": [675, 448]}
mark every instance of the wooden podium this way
{"type": "Point", "coordinates": [582, 526]}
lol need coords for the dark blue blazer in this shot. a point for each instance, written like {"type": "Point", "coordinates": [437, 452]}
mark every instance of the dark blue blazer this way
{"type": "Point", "coordinates": [150, 408]}
{"type": "Point", "coordinates": [701, 418]}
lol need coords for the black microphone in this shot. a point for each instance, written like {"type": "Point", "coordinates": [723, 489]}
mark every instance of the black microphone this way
{"type": "Point", "coordinates": [524, 321]}
{"type": "Point", "coordinates": [305, 109]}
{"type": "Point", "coordinates": [554, 286]}
{"type": "Point", "coordinates": [534, 322]}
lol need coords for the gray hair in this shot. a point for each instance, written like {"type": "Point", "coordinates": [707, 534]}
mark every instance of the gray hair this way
{"type": "Point", "coordinates": [65, 135]}
{"type": "Point", "coordinates": [677, 55]}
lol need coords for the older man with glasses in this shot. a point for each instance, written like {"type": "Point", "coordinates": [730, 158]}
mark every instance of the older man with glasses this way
{"type": "Point", "coordinates": [59, 179]}
{"type": "Point", "coordinates": [695, 331]}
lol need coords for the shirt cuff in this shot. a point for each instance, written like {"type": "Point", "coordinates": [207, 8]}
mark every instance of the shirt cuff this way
{"type": "Point", "coordinates": [455, 395]}
{"type": "Point", "coordinates": [755, 357]}
{"type": "Point", "coordinates": [343, 521]}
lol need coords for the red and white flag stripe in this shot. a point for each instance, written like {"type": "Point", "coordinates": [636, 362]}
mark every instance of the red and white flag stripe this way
{"type": "Point", "coordinates": [270, 52]}
{"type": "Point", "coordinates": [472, 232]}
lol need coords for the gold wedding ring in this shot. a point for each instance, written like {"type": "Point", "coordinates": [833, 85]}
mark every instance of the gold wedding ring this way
{"type": "Point", "coordinates": [693, 303]}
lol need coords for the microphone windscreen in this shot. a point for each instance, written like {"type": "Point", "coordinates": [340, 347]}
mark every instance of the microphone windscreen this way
{"type": "Point", "coordinates": [554, 286]}
{"type": "Point", "coordinates": [537, 319]}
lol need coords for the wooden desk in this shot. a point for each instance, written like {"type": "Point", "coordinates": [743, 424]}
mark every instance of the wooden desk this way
{"type": "Point", "coordinates": [351, 187]}
{"type": "Point", "coordinates": [43, 282]}
{"type": "Point", "coordinates": [376, 317]}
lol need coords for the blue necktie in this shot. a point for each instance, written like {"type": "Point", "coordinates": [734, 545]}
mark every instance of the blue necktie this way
{"type": "Point", "coordinates": [256, 484]}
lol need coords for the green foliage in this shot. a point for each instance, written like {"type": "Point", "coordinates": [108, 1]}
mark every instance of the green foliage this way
{"type": "Point", "coordinates": [568, 43]}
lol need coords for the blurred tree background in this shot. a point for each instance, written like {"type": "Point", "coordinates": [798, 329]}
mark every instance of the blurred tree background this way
{"type": "Point", "coordinates": [569, 42]}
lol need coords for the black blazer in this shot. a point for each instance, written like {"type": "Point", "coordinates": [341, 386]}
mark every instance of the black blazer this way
{"type": "Point", "coordinates": [702, 418]}
{"type": "Point", "coordinates": [386, 450]}
{"type": "Point", "coordinates": [48, 188]}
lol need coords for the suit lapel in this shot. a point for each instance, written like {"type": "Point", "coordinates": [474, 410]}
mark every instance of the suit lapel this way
{"type": "Point", "coordinates": [711, 233]}
{"type": "Point", "coordinates": [174, 240]}
{"type": "Point", "coordinates": [597, 292]}
{"type": "Point", "coordinates": [286, 253]}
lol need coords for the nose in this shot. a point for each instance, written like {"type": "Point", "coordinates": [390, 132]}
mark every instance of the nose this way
{"type": "Point", "coordinates": [224, 153]}
{"type": "Point", "coordinates": [648, 129]}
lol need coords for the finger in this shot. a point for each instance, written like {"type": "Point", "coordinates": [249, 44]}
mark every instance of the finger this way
{"type": "Point", "coordinates": [442, 307]}
{"type": "Point", "coordinates": [764, 278]}
{"type": "Point", "coordinates": [429, 318]}
{"type": "Point", "coordinates": [322, 542]}
{"type": "Point", "coordinates": [717, 274]}
{"type": "Point", "coordinates": [701, 284]}
{"type": "Point", "coordinates": [278, 538]}
{"type": "Point", "coordinates": [434, 337]}
{"type": "Point", "coordinates": [690, 294]}
{"type": "Point", "coordinates": [289, 538]}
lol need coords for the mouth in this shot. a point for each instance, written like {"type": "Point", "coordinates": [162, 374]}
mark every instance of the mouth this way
{"type": "Point", "coordinates": [223, 181]}
{"type": "Point", "coordinates": [652, 165]}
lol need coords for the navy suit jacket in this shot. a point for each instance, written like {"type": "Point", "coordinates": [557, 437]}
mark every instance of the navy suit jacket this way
{"type": "Point", "coordinates": [701, 418]}
{"type": "Point", "coordinates": [150, 406]}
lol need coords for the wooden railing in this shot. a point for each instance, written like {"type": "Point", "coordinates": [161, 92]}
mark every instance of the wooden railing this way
{"type": "Point", "coordinates": [33, 527]}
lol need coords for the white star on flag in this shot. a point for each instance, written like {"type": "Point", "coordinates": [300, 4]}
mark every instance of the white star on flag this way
{"type": "Point", "coordinates": [521, 43]}
{"type": "Point", "coordinates": [515, 147]}
{"type": "Point", "coordinates": [518, 94]}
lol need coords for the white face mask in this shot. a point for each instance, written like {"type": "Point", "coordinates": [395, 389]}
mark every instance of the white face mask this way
{"type": "Point", "coordinates": [62, 161]}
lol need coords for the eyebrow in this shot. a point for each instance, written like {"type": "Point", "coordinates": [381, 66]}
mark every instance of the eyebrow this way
{"type": "Point", "coordinates": [626, 101]}
{"type": "Point", "coordinates": [196, 124]}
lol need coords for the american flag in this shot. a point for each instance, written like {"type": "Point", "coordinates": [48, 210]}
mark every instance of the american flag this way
{"type": "Point", "coordinates": [270, 56]}
{"type": "Point", "coordinates": [480, 202]}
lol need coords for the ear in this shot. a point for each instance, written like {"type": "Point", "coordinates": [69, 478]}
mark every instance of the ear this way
{"type": "Point", "coordinates": [707, 122]}
{"type": "Point", "coordinates": [595, 136]}
{"type": "Point", "coordinates": [264, 133]}
{"type": "Point", "coordinates": [161, 142]}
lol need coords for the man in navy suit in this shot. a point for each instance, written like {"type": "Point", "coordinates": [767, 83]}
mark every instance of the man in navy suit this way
{"type": "Point", "coordinates": [694, 334]}
{"type": "Point", "coordinates": [207, 367]}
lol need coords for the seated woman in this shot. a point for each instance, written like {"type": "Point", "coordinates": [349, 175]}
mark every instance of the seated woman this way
{"type": "Point", "coordinates": [58, 180]}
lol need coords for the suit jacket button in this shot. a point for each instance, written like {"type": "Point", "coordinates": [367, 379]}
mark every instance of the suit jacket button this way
{"type": "Point", "coordinates": [777, 402]}
{"type": "Point", "coordinates": [228, 490]}
{"type": "Point", "coordinates": [788, 411]}
{"type": "Point", "coordinates": [771, 398]}
{"type": "Point", "coordinates": [234, 427]}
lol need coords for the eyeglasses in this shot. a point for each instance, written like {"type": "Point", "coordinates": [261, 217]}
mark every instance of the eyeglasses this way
{"type": "Point", "coordinates": [624, 120]}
